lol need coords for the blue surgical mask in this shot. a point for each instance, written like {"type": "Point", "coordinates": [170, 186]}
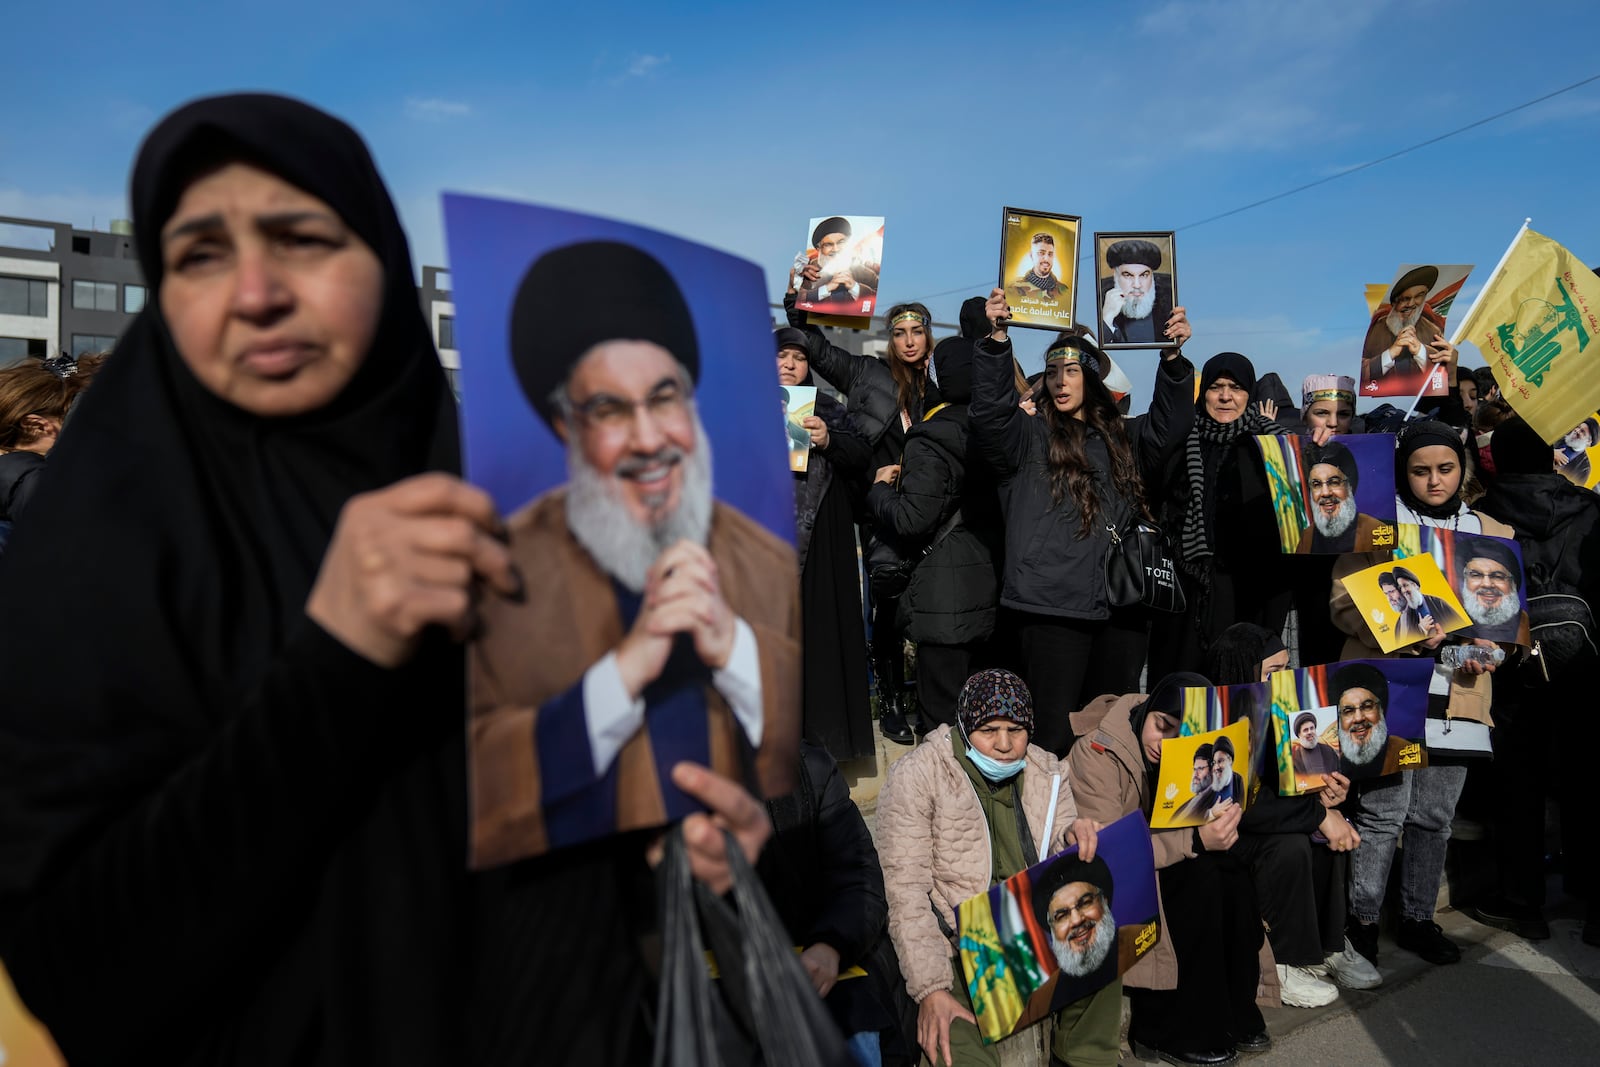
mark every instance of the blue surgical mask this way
{"type": "Point", "coordinates": [993, 769]}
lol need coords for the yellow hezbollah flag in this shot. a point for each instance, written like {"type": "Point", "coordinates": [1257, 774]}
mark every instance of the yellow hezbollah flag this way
{"type": "Point", "coordinates": [1377, 296]}
{"type": "Point", "coordinates": [1537, 323]}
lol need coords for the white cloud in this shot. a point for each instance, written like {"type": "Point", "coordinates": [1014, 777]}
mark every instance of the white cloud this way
{"type": "Point", "coordinates": [641, 66]}
{"type": "Point", "coordinates": [435, 109]}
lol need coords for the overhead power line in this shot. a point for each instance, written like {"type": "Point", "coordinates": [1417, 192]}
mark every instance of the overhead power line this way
{"type": "Point", "coordinates": [1333, 177]}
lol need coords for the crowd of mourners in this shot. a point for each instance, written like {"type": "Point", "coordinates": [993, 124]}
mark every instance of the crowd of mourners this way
{"type": "Point", "coordinates": [227, 835]}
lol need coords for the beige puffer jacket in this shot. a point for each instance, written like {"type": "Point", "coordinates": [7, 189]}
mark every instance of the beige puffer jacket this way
{"type": "Point", "coordinates": [934, 845]}
{"type": "Point", "coordinates": [1109, 768]}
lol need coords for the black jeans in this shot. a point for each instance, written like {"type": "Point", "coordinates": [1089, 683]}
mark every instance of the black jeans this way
{"type": "Point", "coordinates": [1215, 929]}
{"type": "Point", "coordinates": [1068, 662]}
{"type": "Point", "coordinates": [1301, 887]}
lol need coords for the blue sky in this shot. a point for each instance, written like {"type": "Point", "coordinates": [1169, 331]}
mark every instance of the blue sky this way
{"type": "Point", "coordinates": [734, 123]}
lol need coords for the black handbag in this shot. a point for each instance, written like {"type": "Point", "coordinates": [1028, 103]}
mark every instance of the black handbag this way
{"type": "Point", "coordinates": [1140, 569]}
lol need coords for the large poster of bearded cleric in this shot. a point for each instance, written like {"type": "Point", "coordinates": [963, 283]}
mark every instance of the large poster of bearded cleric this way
{"type": "Point", "coordinates": [1039, 267]}
{"type": "Point", "coordinates": [1060, 930]}
{"type": "Point", "coordinates": [612, 408]}
{"type": "Point", "coordinates": [846, 252]}
{"type": "Point", "coordinates": [1486, 574]}
{"type": "Point", "coordinates": [1367, 718]}
{"type": "Point", "coordinates": [1406, 327]}
{"type": "Point", "coordinates": [1331, 498]}
{"type": "Point", "coordinates": [1136, 288]}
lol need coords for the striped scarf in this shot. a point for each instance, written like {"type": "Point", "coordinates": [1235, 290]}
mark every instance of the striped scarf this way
{"type": "Point", "coordinates": [1196, 537]}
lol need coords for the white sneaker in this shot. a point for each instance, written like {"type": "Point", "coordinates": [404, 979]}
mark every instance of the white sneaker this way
{"type": "Point", "coordinates": [1351, 969]}
{"type": "Point", "coordinates": [1302, 989]}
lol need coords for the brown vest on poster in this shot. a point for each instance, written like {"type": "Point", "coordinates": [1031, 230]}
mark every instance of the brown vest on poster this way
{"type": "Point", "coordinates": [531, 652]}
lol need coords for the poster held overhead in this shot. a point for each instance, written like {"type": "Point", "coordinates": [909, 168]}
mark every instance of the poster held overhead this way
{"type": "Point", "coordinates": [847, 252]}
{"type": "Point", "coordinates": [1406, 327]}
{"type": "Point", "coordinates": [1039, 267]}
{"type": "Point", "coordinates": [1136, 288]}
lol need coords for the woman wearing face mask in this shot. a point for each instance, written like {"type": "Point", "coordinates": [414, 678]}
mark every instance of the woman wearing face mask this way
{"type": "Point", "coordinates": [1214, 499]}
{"type": "Point", "coordinates": [979, 781]}
{"type": "Point", "coordinates": [834, 704]}
{"type": "Point", "coordinates": [1430, 465]}
{"type": "Point", "coordinates": [1297, 848]}
{"type": "Point", "coordinates": [1065, 476]}
{"type": "Point", "coordinates": [884, 398]}
{"type": "Point", "coordinates": [1194, 997]}
{"type": "Point", "coordinates": [231, 754]}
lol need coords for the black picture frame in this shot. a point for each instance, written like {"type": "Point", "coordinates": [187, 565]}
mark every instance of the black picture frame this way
{"type": "Point", "coordinates": [1025, 311]}
{"type": "Point", "coordinates": [1167, 241]}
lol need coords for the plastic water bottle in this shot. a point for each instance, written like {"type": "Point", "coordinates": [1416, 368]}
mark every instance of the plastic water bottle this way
{"type": "Point", "coordinates": [1454, 656]}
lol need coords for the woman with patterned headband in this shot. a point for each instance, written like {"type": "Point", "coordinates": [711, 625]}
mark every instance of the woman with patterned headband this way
{"type": "Point", "coordinates": [884, 398]}
{"type": "Point", "coordinates": [1067, 476]}
{"type": "Point", "coordinates": [1328, 400]}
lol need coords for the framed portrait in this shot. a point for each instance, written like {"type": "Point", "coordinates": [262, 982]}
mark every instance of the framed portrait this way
{"type": "Point", "coordinates": [1039, 267]}
{"type": "Point", "coordinates": [848, 253]}
{"type": "Point", "coordinates": [1410, 315]}
{"type": "Point", "coordinates": [1136, 288]}
{"type": "Point", "coordinates": [1056, 932]}
{"type": "Point", "coordinates": [612, 410]}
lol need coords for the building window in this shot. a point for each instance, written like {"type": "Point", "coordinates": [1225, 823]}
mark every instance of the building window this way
{"type": "Point", "coordinates": [133, 299]}
{"type": "Point", "coordinates": [94, 296]}
{"type": "Point", "coordinates": [15, 349]}
{"type": "Point", "coordinates": [88, 344]}
{"type": "Point", "coordinates": [24, 296]}
{"type": "Point", "coordinates": [447, 331]}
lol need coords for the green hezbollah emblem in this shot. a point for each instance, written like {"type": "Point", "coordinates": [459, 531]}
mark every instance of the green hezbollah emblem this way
{"type": "Point", "coordinates": [1533, 340]}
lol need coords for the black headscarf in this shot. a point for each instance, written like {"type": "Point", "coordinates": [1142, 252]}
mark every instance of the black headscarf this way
{"type": "Point", "coordinates": [1420, 435]}
{"type": "Point", "coordinates": [1166, 696]}
{"type": "Point", "coordinates": [166, 565]}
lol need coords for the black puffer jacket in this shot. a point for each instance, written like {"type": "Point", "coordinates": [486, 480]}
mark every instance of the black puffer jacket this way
{"type": "Point", "coordinates": [871, 397]}
{"type": "Point", "coordinates": [1558, 527]}
{"type": "Point", "coordinates": [954, 590]}
{"type": "Point", "coordinates": [846, 455]}
{"type": "Point", "coordinates": [1049, 569]}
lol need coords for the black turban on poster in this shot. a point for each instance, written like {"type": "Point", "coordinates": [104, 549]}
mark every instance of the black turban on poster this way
{"type": "Point", "coordinates": [1401, 572]}
{"type": "Point", "coordinates": [1145, 253]}
{"type": "Point", "coordinates": [1230, 365]}
{"type": "Point", "coordinates": [1469, 548]}
{"type": "Point", "coordinates": [1204, 752]}
{"type": "Point", "coordinates": [834, 225]}
{"type": "Point", "coordinates": [1428, 276]}
{"type": "Point", "coordinates": [1301, 719]}
{"type": "Point", "coordinates": [1334, 454]}
{"type": "Point", "coordinates": [1360, 676]}
{"type": "Point", "coordinates": [1065, 871]}
{"type": "Point", "coordinates": [1223, 745]}
{"type": "Point", "coordinates": [579, 296]}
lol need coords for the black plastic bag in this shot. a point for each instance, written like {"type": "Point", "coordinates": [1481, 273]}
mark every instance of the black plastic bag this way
{"type": "Point", "coordinates": [763, 1009]}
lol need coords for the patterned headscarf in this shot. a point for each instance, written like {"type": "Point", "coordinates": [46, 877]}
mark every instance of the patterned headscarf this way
{"type": "Point", "coordinates": [994, 694]}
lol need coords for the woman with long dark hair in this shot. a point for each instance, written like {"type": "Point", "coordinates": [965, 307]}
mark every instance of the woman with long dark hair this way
{"type": "Point", "coordinates": [884, 399]}
{"type": "Point", "coordinates": [1068, 477]}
